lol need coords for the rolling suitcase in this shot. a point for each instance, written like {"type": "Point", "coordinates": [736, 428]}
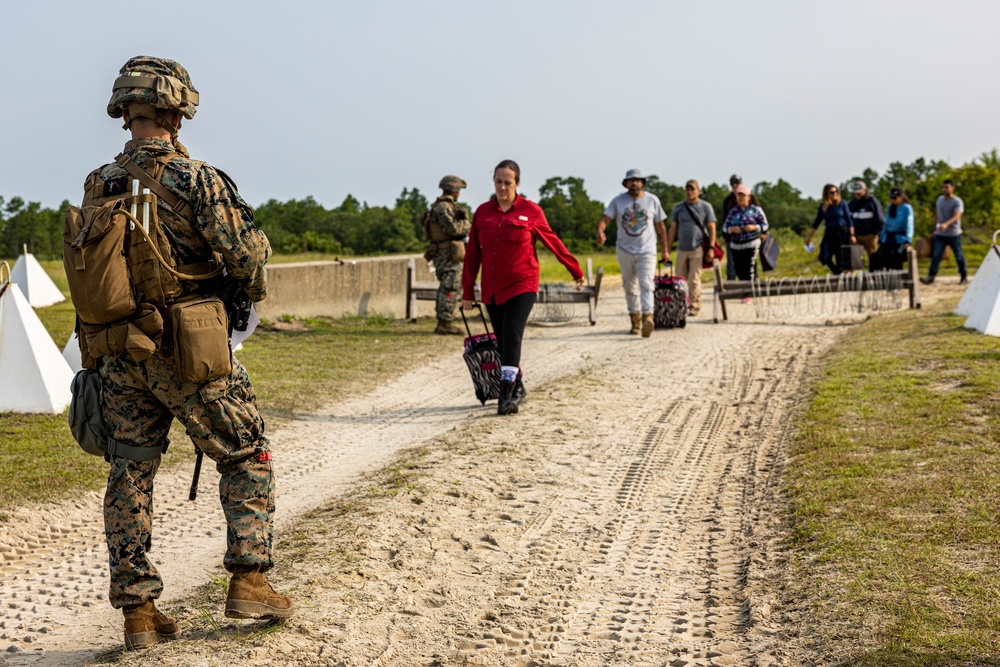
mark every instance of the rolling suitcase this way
{"type": "Point", "coordinates": [852, 257]}
{"type": "Point", "coordinates": [482, 356]}
{"type": "Point", "coordinates": [670, 302]}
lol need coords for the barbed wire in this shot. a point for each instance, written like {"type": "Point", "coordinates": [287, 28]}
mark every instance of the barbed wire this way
{"type": "Point", "coordinates": [816, 296]}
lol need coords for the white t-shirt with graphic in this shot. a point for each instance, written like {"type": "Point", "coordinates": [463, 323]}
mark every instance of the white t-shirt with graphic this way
{"type": "Point", "coordinates": [635, 217]}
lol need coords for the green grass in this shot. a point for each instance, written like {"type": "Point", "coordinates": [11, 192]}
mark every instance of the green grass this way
{"type": "Point", "coordinates": [296, 366]}
{"type": "Point", "coordinates": [895, 488]}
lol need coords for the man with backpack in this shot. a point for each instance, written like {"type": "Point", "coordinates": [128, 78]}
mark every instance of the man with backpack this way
{"type": "Point", "coordinates": [692, 222]}
{"type": "Point", "coordinates": [446, 226]}
{"type": "Point", "coordinates": [153, 322]}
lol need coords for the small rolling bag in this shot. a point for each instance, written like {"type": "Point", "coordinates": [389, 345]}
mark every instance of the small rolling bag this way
{"type": "Point", "coordinates": [670, 302]}
{"type": "Point", "coordinates": [482, 356]}
{"type": "Point", "coordinates": [852, 257]}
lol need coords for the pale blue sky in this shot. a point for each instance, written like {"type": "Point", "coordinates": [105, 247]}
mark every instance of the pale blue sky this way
{"type": "Point", "coordinates": [331, 98]}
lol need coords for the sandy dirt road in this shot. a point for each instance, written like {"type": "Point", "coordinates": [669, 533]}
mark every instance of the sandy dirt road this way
{"type": "Point", "coordinates": [624, 517]}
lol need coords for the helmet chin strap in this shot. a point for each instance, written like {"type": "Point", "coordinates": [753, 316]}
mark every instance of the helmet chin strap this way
{"type": "Point", "coordinates": [146, 110]}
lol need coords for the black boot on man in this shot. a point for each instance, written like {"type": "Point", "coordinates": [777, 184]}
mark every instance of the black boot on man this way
{"type": "Point", "coordinates": [250, 596]}
{"type": "Point", "coordinates": [145, 625]}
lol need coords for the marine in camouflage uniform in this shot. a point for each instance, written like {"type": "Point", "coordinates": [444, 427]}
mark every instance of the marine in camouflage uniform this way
{"type": "Point", "coordinates": [141, 398]}
{"type": "Point", "coordinates": [447, 225]}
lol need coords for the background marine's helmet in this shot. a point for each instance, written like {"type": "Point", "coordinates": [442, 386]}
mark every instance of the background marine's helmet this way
{"type": "Point", "coordinates": [452, 183]}
{"type": "Point", "coordinates": [159, 82]}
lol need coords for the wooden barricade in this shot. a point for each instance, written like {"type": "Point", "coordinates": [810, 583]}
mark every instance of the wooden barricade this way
{"type": "Point", "coordinates": [426, 290]}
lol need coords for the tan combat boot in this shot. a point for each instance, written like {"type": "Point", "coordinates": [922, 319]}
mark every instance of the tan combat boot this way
{"type": "Point", "coordinates": [647, 324]}
{"type": "Point", "coordinates": [447, 328]}
{"type": "Point", "coordinates": [145, 625]}
{"type": "Point", "coordinates": [250, 596]}
{"type": "Point", "coordinates": [635, 323]}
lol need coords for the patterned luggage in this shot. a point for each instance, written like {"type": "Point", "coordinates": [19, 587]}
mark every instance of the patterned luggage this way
{"type": "Point", "coordinates": [482, 356]}
{"type": "Point", "coordinates": [670, 302]}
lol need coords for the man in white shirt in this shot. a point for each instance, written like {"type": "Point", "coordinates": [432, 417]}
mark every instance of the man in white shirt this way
{"type": "Point", "coordinates": [640, 219]}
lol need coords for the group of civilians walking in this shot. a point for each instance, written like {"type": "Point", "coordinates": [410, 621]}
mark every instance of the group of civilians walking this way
{"type": "Point", "coordinates": [641, 223]}
{"type": "Point", "coordinates": [886, 237]}
{"type": "Point", "coordinates": [505, 229]}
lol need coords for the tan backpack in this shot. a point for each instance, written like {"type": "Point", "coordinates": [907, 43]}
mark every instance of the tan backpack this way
{"type": "Point", "coordinates": [122, 276]}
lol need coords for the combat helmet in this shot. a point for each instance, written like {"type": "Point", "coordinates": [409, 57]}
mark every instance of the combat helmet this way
{"type": "Point", "coordinates": [158, 82]}
{"type": "Point", "coordinates": [452, 183]}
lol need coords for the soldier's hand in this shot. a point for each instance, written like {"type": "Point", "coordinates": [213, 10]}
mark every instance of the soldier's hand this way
{"type": "Point", "coordinates": [578, 281]}
{"type": "Point", "coordinates": [466, 304]}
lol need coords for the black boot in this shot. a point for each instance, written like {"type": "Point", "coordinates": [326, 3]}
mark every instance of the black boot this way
{"type": "Point", "coordinates": [506, 404]}
{"type": "Point", "coordinates": [519, 392]}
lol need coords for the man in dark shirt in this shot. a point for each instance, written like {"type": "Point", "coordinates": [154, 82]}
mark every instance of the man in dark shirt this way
{"type": "Point", "coordinates": [868, 217]}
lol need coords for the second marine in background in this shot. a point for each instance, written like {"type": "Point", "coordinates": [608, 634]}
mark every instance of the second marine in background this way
{"type": "Point", "coordinates": [446, 226]}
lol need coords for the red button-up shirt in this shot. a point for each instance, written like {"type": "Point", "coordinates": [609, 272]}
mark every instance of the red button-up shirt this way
{"type": "Point", "coordinates": [503, 244]}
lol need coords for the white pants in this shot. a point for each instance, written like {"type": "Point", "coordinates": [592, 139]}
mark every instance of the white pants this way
{"type": "Point", "coordinates": [637, 279]}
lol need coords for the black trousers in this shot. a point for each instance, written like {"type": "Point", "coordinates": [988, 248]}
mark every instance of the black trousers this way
{"type": "Point", "coordinates": [745, 262]}
{"type": "Point", "coordinates": [509, 319]}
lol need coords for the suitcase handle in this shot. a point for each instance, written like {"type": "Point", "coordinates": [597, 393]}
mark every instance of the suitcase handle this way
{"type": "Point", "coordinates": [478, 307]}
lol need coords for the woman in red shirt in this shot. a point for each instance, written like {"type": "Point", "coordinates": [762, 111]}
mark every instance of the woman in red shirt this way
{"type": "Point", "coordinates": [502, 243]}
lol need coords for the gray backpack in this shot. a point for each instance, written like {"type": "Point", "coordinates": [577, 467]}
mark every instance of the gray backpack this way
{"type": "Point", "coordinates": [86, 421]}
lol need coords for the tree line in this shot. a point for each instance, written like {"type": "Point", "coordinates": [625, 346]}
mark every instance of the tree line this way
{"type": "Point", "coordinates": [355, 228]}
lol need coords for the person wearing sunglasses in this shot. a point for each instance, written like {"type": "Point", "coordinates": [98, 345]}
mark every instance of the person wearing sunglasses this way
{"type": "Point", "coordinates": [728, 204]}
{"type": "Point", "coordinates": [692, 222]}
{"type": "Point", "coordinates": [839, 230]}
{"type": "Point", "coordinates": [868, 217]}
{"type": "Point", "coordinates": [744, 226]}
{"type": "Point", "coordinates": [897, 234]}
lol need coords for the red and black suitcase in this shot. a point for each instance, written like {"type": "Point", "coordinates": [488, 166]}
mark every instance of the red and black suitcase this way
{"type": "Point", "coordinates": [482, 356]}
{"type": "Point", "coordinates": [670, 302]}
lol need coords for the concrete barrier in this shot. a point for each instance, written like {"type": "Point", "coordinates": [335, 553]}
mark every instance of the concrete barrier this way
{"type": "Point", "coordinates": [360, 287]}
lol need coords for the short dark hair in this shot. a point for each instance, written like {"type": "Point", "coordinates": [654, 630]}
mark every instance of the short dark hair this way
{"type": "Point", "coordinates": [948, 181]}
{"type": "Point", "coordinates": [509, 164]}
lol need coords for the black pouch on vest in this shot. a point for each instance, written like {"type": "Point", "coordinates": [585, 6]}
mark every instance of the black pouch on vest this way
{"type": "Point", "coordinates": [201, 339]}
{"type": "Point", "coordinates": [86, 420]}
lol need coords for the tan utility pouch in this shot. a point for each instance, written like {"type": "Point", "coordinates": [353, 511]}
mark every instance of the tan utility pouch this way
{"type": "Point", "coordinates": [201, 339]}
{"type": "Point", "coordinates": [95, 262]}
{"type": "Point", "coordinates": [457, 251]}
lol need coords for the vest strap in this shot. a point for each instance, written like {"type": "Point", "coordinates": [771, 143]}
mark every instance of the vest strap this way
{"type": "Point", "coordinates": [180, 207]}
{"type": "Point", "coordinates": [133, 453]}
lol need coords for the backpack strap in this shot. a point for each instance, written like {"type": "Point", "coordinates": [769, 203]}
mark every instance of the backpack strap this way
{"type": "Point", "coordinates": [180, 207]}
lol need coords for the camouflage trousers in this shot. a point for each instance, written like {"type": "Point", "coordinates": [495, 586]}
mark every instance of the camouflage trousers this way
{"type": "Point", "coordinates": [140, 400]}
{"type": "Point", "coordinates": [449, 275]}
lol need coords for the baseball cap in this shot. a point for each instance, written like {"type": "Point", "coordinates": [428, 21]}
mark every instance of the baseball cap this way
{"type": "Point", "coordinates": [858, 186]}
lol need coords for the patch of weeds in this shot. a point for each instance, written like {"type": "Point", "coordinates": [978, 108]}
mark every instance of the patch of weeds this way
{"type": "Point", "coordinates": [894, 483]}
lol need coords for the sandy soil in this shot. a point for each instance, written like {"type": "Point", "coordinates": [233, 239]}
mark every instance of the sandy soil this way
{"type": "Point", "coordinates": [628, 516]}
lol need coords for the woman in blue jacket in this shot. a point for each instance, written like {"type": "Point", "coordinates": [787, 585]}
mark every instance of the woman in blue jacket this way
{"type": "Point", "coordinates": [839, 228]}
{"type": "Point", "coordinates": [897, 235]}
